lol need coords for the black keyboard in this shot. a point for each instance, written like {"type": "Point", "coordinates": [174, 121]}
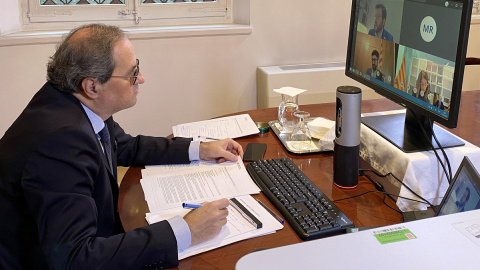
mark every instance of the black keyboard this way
{"type": "Point", "coordinates": [310, 213]}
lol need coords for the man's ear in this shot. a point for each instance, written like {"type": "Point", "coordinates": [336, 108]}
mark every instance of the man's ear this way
{"type": "Point", "coordinates": [89, 87]}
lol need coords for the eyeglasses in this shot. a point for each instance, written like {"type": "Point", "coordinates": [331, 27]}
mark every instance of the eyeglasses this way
{"type": "Point", "coordinates": [135, 74]}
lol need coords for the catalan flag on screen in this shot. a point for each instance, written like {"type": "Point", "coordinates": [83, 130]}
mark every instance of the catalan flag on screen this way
{"type": "Point", "coordinates": [401, 80]}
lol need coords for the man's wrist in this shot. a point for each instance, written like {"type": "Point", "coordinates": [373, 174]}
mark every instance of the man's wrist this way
{"type": "Point", "coordinates": [181, 231]}
{"type": "Point", "coordinates": [194, 150]}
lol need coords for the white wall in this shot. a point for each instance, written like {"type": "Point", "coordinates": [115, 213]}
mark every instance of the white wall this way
{"type": "Point", "coordinates": [197, 78]}
{"type": "Point", "coordinates": [472, 73]}
{"type": "Point", "coordinates": [9, 19]}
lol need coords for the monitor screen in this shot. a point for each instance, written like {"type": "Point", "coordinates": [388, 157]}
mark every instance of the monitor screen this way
{"type": "Point", "coordinates": [464, 193]}
{"type": "Point", "coordinates": [412, 52]}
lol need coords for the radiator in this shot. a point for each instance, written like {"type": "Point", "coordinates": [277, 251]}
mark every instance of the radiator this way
{"type": "Point", "coordinates": [320, 80]}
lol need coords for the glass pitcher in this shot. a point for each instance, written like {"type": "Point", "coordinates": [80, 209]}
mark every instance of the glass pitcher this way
{"type": "Point", "coordinates": [286, 109]}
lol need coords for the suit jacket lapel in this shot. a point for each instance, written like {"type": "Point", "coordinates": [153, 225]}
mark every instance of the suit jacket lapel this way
{"type": "Point", "coordinates": [109, 122]}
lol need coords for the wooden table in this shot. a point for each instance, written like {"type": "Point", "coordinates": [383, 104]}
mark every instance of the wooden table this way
{"type": "Point", "coordinates": [365, 211]}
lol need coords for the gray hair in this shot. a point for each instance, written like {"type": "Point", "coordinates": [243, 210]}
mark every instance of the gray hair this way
{"type": "Point", "coordinates": [86, 51]}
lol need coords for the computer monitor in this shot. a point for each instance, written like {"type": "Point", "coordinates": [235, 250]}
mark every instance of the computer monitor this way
{"type": "Point", "coordinates": [413, 53]}
{"type": "Point", "coordinates": [464, 192]}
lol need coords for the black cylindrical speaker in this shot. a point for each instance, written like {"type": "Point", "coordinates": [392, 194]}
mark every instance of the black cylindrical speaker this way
{"type": "Point", "coordinates": [347, 137]}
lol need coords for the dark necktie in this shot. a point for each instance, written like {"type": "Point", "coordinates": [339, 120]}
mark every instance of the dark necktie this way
{"type": "Point", "coordinates": [105, 138]}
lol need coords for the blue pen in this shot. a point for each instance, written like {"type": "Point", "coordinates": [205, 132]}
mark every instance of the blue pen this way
{"type": "Point", "coordinates": [191, 205]}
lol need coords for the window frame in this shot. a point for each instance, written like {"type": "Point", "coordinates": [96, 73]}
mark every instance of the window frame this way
{"type": "Point", "coordinates": [131, 14]}
{"type": "Point", "coordinates": [218, 10]}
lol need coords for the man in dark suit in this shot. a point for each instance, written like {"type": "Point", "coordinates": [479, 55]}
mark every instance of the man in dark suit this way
{"type": "Point", "coordinates": [373, 71]}
{"type": "Point", "coordinates": [58, 182]}
{"type": "Point", "coordinates": [379, 24]}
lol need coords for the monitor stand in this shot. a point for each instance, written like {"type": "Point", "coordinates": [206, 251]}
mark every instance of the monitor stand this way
{"type": "Point", "coordinates": [393, 128]}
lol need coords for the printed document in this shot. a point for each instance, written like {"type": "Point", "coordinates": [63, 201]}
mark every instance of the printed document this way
{"type": "Point", "coordinates": [219, 128]}
{"type": "Point", "coordinates": [166, 187]}
{"type": "Point", "coordinates": [237, 227]}
{"type": "Point", "coordinates": [153, 170]}
{"type": "Point", "coordinates": [196, 184]}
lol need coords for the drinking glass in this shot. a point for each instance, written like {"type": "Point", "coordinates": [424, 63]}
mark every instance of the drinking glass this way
{"type": "Point", "coordinates": [301, 138]}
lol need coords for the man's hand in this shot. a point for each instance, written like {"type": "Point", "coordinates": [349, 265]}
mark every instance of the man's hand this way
{"type": "Point", "coordinates": [207, 221]}
{"type": "Point", "coordinates": [221, 151]}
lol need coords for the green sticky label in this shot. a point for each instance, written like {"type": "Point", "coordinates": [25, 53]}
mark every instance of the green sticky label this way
{"type": "Point", "coordinates": [393, 235]}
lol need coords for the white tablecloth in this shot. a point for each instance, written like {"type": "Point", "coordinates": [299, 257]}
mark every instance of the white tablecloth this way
{"type": "Point", "coordinates": [420, 171]}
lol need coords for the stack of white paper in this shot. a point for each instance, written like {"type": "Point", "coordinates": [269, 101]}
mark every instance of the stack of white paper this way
{"type": "Point", "coordinates": [236, 229]}
{"type": "Point", "coordinates": [219, 128]}
{"type": "Point", "coordinates": [166, 187]}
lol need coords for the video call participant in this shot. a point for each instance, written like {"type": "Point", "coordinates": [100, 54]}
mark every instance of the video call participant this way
{"type": "Point", "coordinates": [373, 71]}
{"type": "Point", "coordinates": [379, 24]}
{"type": "Point", "coordinates": [58, 188]}
{"type": "Point", "coordinates": [423, 88]}
{"type": "Point", "coordinates": [463, 200]}
{"type": "Point", "coordinates": [437, 101]}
